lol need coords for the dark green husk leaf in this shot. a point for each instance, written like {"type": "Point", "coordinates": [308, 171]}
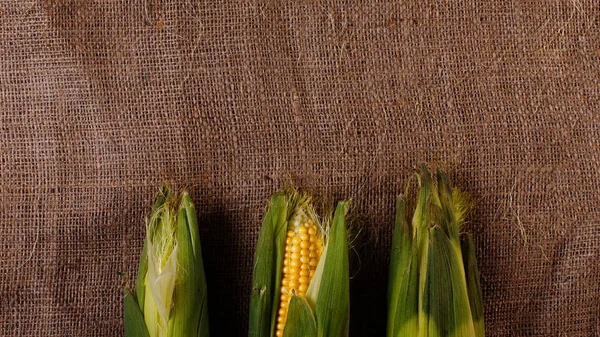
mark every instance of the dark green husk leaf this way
{"type": "Point", "coordinates": [268, 264]}
{"type": "Point", "coordinates": [133, 319]}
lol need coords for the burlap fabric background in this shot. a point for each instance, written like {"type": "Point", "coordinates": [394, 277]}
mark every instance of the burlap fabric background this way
{"type": "Point", "coordinates": [102, 101]}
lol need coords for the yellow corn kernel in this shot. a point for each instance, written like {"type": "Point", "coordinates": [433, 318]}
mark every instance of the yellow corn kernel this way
{"type": "Point", "coordinates": [303, 247]}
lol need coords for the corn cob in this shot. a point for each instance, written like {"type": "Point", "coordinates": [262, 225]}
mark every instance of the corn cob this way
{"type": "Point", "coordinates": [170, 294]}
{"type": "Point", "coordinates": [434, 287]}
{"type": "Point", "coordinates": [301, 278]}
{"type": "Point", "coordinates": [303, 249]}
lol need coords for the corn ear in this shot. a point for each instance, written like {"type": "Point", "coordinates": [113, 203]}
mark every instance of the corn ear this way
{"type": "Point", "coordinates": [433, 273]}
{"type": "Point", "coordinates": [171, 290]}
{"type": "Point", "coordinates": [301, 278]}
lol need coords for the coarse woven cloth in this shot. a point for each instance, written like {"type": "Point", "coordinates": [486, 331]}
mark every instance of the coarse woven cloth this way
{"type": "Point", "coordinates": [103, 101]}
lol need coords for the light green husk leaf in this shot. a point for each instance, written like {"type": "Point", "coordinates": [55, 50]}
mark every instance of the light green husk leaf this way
{"type": "Point", "coordinates": [332, 308]}
{"type": "Point", "coordinates": [190, 310]}
{"type": "Point", "coordinates": [300, 319]}
{"type": "Point", "coordinates": [446, 302]}
{"type": "Point", "coordinates": [160, 284]}
{"type": "Point", "coordinates": [140, 284]}
{"type": "Point", "coordinates": [421, 221]}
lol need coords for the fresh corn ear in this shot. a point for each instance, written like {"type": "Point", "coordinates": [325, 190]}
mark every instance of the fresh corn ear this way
{"type": "Point", "coordinates": [170, 294]}
{"type": "Point", "coordinates": [434, 285]}
{"type": "Point", "coordinates": [301, 283]}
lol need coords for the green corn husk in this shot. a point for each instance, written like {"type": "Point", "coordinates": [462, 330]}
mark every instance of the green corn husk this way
{"type": "Point", "coordinates": [268, 265]}
{"type": "Point", "coordinates": [301, 319]}
{"type": "Point", "coordinates": [170, 294]}
{"type": "Point", "coordinates": [433, 285]}
{"type": "Point", "coordinates": [403, 279]}
{"type": "Point", "coordinates": [473, 284]}
{"type": "Point", "coordinates": [325, 309]}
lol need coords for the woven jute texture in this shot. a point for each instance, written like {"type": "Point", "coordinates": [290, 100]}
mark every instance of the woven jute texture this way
{"type": "Point", "coordinates": [103, 101]}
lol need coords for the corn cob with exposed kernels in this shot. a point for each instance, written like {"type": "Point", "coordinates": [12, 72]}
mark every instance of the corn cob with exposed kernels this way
{"type": "Point", "coordinates": [301, 267]}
